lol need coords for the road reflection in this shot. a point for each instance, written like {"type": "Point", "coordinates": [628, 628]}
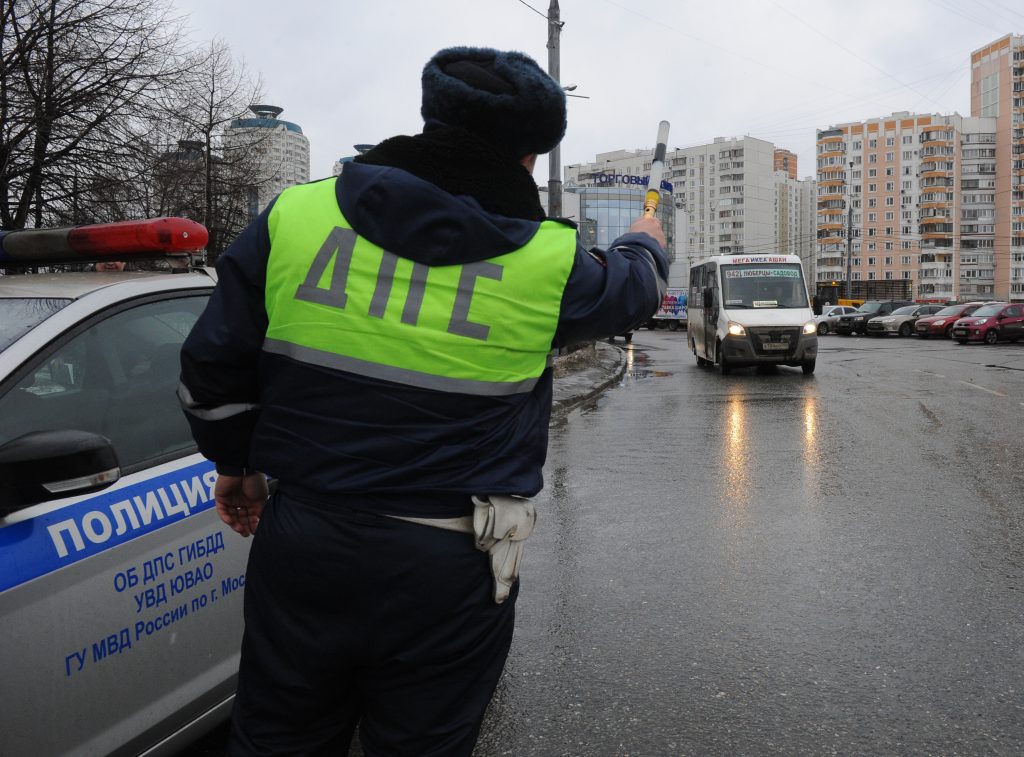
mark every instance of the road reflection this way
{"type": "Point", "coordinates": [770, 450]}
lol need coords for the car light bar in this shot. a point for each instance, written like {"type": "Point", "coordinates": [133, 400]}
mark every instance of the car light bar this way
{"type": "Point", "coordinates": [154, 237]}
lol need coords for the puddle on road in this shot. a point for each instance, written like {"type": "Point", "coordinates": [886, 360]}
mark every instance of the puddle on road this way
{"type": "Point", "coordinates": [644, 373]}
{"type": "Point", "coordinates": [636, 362]}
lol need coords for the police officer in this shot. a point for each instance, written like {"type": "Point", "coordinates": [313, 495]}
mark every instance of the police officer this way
{"type": "Point", "coordinates": [380, 345]}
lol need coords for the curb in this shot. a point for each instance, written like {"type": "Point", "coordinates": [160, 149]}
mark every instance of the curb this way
{"type": "Point", "coordinates": [581, 385]}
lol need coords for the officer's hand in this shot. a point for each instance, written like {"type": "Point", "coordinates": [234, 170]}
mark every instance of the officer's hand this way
{"type": "Point", "coordinates": [651, 226]}
{"type": "Point", "coordinates": [240, 501]}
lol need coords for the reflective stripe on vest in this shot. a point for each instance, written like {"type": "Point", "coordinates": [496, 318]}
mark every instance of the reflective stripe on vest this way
{"type": "Point", "coordinates": [335, 299]}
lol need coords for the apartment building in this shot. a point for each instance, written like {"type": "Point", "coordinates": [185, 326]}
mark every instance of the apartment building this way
{"type": "Point", "coordinates": [728, 196]}
{"type": "Point", "coordinates": [997, 92]}
{"type": "Point", "coordinates": [902, 195]}
{"type": "Point", "coordinates": [785, 161]}
{"type": "Point", "coordinates": [282, 148]}
{"type": "Point", "coordinates": [929, 206]}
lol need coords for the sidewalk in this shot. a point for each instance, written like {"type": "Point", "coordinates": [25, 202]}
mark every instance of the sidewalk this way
{"type": "Point", "coordinates": [584, 374]}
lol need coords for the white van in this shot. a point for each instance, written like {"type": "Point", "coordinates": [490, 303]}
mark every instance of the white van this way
{"type": "Point", "coordinates": [749, 310]}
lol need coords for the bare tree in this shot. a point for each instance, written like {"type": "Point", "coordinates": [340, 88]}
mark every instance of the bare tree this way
{"type": "Point", "coordinates": [217, 93]}
{"type": "Point", "coordinates": [79, 85]}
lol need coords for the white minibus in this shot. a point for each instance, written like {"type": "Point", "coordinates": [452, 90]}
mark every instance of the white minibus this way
{"type": "Point", "coordinates": [747, 310]}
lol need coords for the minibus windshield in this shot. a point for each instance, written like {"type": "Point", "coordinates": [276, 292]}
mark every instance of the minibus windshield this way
{"type": "Point", "coordinates": [763, 285]}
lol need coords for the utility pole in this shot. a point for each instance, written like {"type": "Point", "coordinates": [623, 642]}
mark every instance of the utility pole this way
{"type": "Point", "coordinates": [849, 232]}
{"type": "Point", "coordinates": [554, 157]}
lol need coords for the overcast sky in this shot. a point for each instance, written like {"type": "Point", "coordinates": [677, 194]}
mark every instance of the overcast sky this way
{"type": "Point", "coordinates": [349, 72]}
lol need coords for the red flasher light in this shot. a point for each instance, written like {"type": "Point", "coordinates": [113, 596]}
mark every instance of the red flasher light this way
{"type": "Point", "coordinates": [126, 237]}
{"type": "Point", "coordinates": [120, 240]}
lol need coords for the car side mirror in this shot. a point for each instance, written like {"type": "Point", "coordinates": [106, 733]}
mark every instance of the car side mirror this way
{"type": "Point", "coordinates": [45, 465]}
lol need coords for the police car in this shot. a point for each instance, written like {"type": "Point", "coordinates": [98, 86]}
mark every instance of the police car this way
{"type": "Point", "coordinates": [120, 589]}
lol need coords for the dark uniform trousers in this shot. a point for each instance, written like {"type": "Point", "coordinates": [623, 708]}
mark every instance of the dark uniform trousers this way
{"type": "Point", "coordinates": [355, 618]}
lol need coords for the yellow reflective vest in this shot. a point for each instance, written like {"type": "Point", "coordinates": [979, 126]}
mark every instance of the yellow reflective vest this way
{"type": "Point", "coordinates": [335, 299]}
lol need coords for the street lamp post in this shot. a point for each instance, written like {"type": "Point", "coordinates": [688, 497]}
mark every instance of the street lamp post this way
{"type": "Point", "coordinates": [554, 157]}
{"type": "Point", "coordinates": [849, 233]}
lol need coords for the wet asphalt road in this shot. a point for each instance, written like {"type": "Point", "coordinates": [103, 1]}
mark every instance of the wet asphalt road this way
{"type": "Point", "coordinates": [774, 564]}
{"type": "Point", "coordinates": [779, 564]}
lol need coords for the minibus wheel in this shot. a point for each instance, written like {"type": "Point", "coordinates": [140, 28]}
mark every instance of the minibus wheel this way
{"type": "Point", "coordinates": [723, 362]}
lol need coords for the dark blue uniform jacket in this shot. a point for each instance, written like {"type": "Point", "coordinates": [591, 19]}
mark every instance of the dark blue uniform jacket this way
{"type": "Point", "coordinates": [333, 434]}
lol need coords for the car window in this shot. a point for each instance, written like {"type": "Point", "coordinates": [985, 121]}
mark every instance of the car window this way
{"type": "Point", "coordinates": [953, 310]}
{"type": "Point", "coordinates": [905, 310]}
{"type": "Point", "coordinates": [869, 307]}
{"type": "Point", "coordinates": [19, 315]}
{"type": "Point", "coordinates": [116, 378]}
{"type": "Point", "coordinates": [1013, 310]}
{"type": "Point", "coordinates": [986, 310]}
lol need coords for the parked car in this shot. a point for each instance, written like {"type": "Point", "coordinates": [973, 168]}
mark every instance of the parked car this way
{"type": "Point", "coordinates": [120, 588]}
{"type": "Point", "coordinates": [941, 323]}
{"type": "Point", "coordinates": [991, 323]}
{"type": "Point", "coordinates": [900, 321]}
{"type": "Point", "coordinates": [829, 315]}
{"type": "Point", "coordinates": [857, 322]}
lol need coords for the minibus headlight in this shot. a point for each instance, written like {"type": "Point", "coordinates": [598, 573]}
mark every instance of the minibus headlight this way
{"type": "Point", "coordinates": [736, 329]}
{"type": "Point", "coordinates": [810, 328]}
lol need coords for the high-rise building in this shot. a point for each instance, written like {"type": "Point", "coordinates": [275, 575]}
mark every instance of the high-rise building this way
{"type": "Point", "coordinates": [795, 214]}
{"type": "Point", "coordinates": [997, 92]}
{"type": "Point", "coordinates": [927, 206]}
{"type": "Point", "coordinates": [282, 148]}
{"type": "Point", "coordinates": [729, 197]}
{"type": "Point", "coordinates": [785, 161]}
{"type": "Point", "coordinates": [339, 164]}
{"type": "Point", "coordinates": [901, 199]}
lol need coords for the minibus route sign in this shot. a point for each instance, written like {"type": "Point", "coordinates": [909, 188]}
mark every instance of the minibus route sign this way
{"type": "Point", "coordinates": [774, 273]}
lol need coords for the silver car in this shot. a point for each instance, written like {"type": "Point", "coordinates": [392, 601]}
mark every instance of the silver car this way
{"type": "Point", "coordinates": [120, 589]}
{"type": "Point", "coordinates": [829, 315]}
{"type": "Point", "coordinates": [901, 320]}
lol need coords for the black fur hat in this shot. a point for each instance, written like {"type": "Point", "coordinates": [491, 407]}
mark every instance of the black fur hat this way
{"type": "Point", "coordinates": [503, 97]}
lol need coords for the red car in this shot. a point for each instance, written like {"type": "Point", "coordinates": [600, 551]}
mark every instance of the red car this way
{"type": "Point", "coordinates": [941, 323]}
{"type": "Point", "coordinates": [991, 323]}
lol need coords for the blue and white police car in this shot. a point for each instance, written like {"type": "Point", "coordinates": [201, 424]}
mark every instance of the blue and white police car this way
{"type": "Point", "coordinates": [120, 589]}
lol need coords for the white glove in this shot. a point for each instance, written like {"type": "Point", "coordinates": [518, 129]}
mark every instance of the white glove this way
{"type": "Point", "coordinates": [501, 524]}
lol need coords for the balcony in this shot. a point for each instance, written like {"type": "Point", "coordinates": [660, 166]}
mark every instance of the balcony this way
{"type": "Point", "coordinates": [934, 271]}
{"type": "Point", "coordinates": [829, 176]}
{"type": "Point", "coordinates": [831, 207]}
{"type": "Point", "coordinates": [936, 137]}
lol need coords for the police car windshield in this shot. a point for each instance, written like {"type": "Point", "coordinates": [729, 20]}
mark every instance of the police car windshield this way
{"type": "Point", "coordinates": [19, 315]}
{"type": "Point", "coordinates": [766, 285]}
